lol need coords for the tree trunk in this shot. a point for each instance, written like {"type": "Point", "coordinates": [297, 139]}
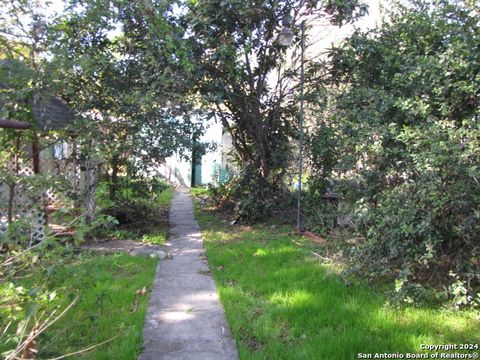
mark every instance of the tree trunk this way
{"type": "Point", "coordinates": [91, 181]}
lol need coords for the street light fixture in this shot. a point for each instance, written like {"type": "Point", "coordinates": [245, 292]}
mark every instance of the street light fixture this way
{"type": "Point", "coordinates": [285, 38]}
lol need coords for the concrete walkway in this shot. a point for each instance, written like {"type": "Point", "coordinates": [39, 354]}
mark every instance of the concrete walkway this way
{"type": "Point", "coordinates": [185, 319]}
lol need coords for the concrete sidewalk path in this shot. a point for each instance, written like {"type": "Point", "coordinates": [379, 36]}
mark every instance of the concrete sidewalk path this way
{"type": "Point", "coordinates": [185, 319]}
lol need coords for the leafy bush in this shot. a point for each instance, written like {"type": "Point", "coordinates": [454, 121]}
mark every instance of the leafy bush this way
{"type": "Point", "coordinates": [249, 198]}
{"type": "Point", "coordinates": [319, 214]}
{"type": "Point", "coordinates": [254, 199]}
{"type": "Point", "coordinates": [130, 188]}
{"type": "Point", "coordinates": [406, 126]}
{"type": "Point", "coordinates": [426, 229]}
{"type": "Point", "coordinates": [140, 205]}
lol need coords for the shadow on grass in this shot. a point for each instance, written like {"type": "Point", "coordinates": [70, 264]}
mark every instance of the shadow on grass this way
{"type": "Point", "coordinates": [281, 304]}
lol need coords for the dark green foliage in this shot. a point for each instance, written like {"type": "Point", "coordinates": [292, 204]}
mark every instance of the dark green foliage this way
{"type": "Point", "coordinates": [124, 66]}
{"type": "Point", "coordinates": [318, 213]}
{"type": "Point", "coordinates": [429, 227]}
{"type": "Point", "coordinates": [141, 207]}
{"type": "Point", "coordinates": [140, 187]}
{"type": "Point", "coordinates": [322, 148]}
{"type": "Point", "coordinates": [406, 129]}
{"type": "Point", "coordinates": [255, 199]}
{"type": "Point", "coordinates": [243, 79]}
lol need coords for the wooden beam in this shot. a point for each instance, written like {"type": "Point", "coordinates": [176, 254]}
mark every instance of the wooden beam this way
{"type": "Point", "coordinates": [36, 153]}
{"type": "Point", "coordinates": [13, 124]}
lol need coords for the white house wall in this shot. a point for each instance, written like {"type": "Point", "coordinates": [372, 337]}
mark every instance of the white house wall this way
{"type": "Point", "coordinates": [176, 170]}
{"type": "Point", "coordinates": [179, 171]}
{"type": "Point", "coordinates": [212, 160]}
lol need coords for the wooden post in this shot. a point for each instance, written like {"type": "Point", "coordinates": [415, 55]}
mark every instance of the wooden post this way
{"type": "Point", "coordinates": [12, 124]}
{"type": "Point", "coordinates": [16, 167]}
{"type": "Point", "coordinates": [36, 153]}
{"type": "Point", "coordinates": [75, 182]}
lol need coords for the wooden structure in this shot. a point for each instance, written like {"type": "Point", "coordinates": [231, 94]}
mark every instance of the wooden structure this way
{"type": "Point", "coordinates": [16, 198]}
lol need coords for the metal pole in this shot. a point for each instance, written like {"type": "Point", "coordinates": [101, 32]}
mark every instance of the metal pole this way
{"type": "Point", "coordinates": [300, 136]}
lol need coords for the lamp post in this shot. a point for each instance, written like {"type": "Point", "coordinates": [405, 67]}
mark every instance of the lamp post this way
{"type": "Point", "coordinates": [285, 38]}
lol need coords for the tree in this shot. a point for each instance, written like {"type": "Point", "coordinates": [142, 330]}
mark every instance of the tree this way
{"type": "Point", "coordinates": [22, 82]}
{"type": "Point", "coordinates": [124, 86]}
{"type": "Point", "coordinates": [244, 79]}
{"type": "Point", "coordinates": [129, 79]}
{"type": "Point", "coordinates": [405, 111]}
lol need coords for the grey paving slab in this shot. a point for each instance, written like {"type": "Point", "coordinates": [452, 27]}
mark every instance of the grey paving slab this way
{"type": "Point", "coordinates": [184, 300]}
{"type": "Point", "coordinates": [194, 243]}
{"type": "Point", "coordinates": [185, 265]}
{"type": "Point", "coordinates": [185, 320]}
{"type": "Point", "coordinates": [183, 252]}
{"type": "Point", "coordinates": [179, 281]}
{"type": "Point", "coordinates": [188, 325]}
{"type": "Point", "coordinates": [191, 255]}
{"type": "Point", "coordinates": [184, 356]}
{"type": "Point", "coordinates": [179, 268]}
{"type": "Point", "coordinates": [186, 229]}
{"type": "Point", "coordinates": [185, 234]}
{"type": "Point", "coordinates": [197, 346]}
{"type": "Point", "coordinates": [177, 235]}
{"type": "Point", "coordinates": [185, 210]}
{"type": "Point", "coordinates": [177, 217]}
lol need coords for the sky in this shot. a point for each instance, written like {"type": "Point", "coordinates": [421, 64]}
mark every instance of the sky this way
{"type": "Point", "coordinates": [57, 6]}
{"type": "Point", "coordinates": [321, 36]}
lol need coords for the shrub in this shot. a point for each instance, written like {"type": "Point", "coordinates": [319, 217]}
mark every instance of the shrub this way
{"type": "Point", "coordinates": [130, 188]}
{"type": "Point", "coordinates": [425, 230]}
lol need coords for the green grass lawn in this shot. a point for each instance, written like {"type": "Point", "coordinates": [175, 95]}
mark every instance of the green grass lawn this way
{"type": "Point", "coordinates": [165, 197]}
{"type": "Point", "coordinates": [107, 306]}
{"type": "Point", "coordinates": [281, 302]}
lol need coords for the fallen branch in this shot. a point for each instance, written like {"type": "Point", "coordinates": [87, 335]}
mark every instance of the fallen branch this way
{"type": "Point", "coordinates": [315, 238]}
{"type": "Point", "coordinates": [323, 258]}
{"type": "Point", "coordinates": [86, 349]}
{"type": "Point", "coordinates": [297, 243]}
{"type": "Point", "coordinates": [69, 224]}
{"type": "Point", "coordinates": [11, 258]}
{"type": "Point", "coordinates": [37, 332]}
